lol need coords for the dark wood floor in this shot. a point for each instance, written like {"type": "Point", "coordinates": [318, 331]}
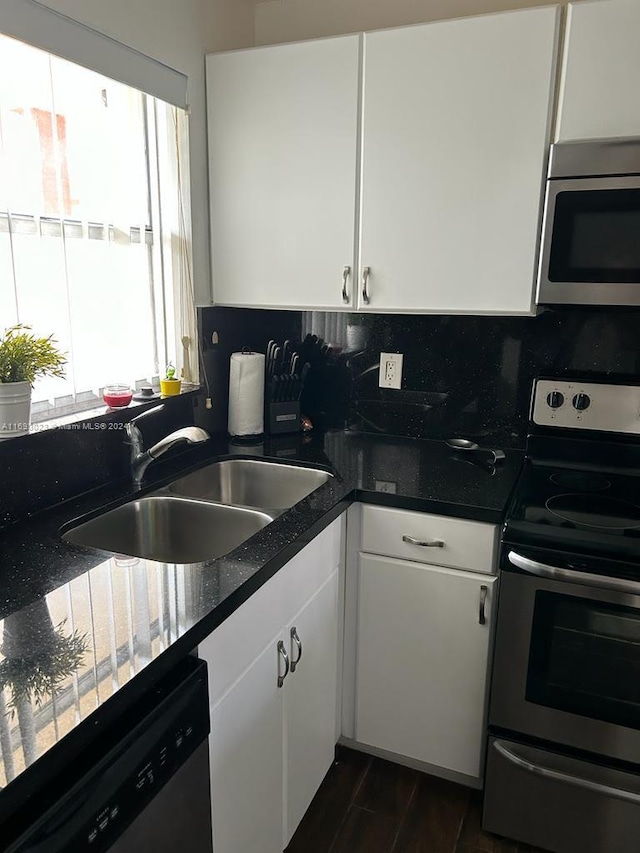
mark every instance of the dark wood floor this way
{"type": "Point", "coordinates": [366, 805]}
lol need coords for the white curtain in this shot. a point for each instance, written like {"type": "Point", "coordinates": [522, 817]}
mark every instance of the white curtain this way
{"type": "Point", "coordinates": [181, 252]}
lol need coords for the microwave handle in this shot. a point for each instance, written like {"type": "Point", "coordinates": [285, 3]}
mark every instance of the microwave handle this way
{"type": "Point", "coordinates": [533, 567]}
{"type": "Point", "coordinates": [566, 778]}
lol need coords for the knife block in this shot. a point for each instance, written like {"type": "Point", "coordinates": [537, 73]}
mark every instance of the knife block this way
{"type": "Point", "coordinates": [283, 417]}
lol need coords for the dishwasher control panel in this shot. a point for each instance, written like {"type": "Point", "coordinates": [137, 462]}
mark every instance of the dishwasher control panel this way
{"type": "Point", "coordinates": [172, 748]}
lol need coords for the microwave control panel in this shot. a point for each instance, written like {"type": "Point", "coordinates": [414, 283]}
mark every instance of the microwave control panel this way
{"type": "Point", "coordinates": [586, 405]}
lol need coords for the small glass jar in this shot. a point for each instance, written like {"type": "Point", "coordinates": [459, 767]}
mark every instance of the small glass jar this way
{"type": "Point", "coordinates": [117, 395]}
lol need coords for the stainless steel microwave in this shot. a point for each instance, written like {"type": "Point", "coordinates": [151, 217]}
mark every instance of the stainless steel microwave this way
{"type": "Point", "coordinates": [590, 252]}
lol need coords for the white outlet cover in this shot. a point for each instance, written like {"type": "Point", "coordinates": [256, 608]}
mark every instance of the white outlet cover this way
{"type": "Point", "coordinates": [390, 375]}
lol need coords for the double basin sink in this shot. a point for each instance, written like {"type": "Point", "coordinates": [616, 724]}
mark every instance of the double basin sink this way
{"type": "Point", "coordinates": [202, 515]}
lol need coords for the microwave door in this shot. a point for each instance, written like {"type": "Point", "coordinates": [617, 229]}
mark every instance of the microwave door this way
{"type": "Point", "coordinates": [590, 252]}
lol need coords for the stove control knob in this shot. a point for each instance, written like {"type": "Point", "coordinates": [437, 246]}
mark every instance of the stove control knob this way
{"type": "Point", "coordinates": [581, 402]}
{"type": "Point", "coordinates": [555, 399]}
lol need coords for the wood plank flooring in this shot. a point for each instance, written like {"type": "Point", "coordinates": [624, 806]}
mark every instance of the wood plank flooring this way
{"type": "Point", "coordinates": [366, 805]}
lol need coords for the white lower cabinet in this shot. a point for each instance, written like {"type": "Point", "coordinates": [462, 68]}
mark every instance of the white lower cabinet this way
{"type": "Point", "coordinates": [245, 750]}
{"type": "Point", "coordinates": [423, 640]}
{"type": "Point", "coordinates": [310, 702]}
{"type": "Point", "coordinates": [272, 739]}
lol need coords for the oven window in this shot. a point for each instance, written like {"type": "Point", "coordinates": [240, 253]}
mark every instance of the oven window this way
{"type": "Point", "coordinates": [585, 658]}
{"type": "Point", "coordinates": [596, 236]}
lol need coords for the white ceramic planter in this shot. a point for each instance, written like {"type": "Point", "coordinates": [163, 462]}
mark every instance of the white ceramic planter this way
{"type": "Point", "coordinates": [15, 408]}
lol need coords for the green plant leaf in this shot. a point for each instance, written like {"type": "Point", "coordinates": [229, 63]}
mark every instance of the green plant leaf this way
{"type": "Point", "coordinates": [25, 357]}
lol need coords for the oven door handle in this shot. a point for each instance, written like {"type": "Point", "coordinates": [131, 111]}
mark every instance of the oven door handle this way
{"type": "Point", "coordinates": [565, 778]}
{"type": "Point", "coordinates": [533, 567]}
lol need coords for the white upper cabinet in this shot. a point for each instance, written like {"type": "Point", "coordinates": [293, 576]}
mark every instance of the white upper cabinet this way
{"type": "Point", "coordinates": [455, 134]}
{"type": "Point", "coordinates": [283, 127]}
{"type": "Point", "coordinates": [600, 94]}
{"type": "Point", "coordinates": [413, 158]}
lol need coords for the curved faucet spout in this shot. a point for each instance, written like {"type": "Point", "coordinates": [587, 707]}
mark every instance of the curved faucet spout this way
{"type": "Point", "coordinates": [141, 459]}
{"type": "Point", "coordinates": [192, 435]}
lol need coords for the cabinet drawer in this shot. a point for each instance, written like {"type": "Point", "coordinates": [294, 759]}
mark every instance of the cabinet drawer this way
{"type": "Point", "coordinates": [559, 802]}
{"type": "Point", "coordinates": [466, 544]}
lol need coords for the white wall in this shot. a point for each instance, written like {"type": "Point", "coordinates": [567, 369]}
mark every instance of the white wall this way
{"type": "Point", "coordinates": [178, 33]}
{"type": "Point", "coordinates": [290, 20]}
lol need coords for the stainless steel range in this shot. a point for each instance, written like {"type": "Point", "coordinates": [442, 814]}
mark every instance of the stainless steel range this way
{"type": "Point", "coordinates": [563, 765]}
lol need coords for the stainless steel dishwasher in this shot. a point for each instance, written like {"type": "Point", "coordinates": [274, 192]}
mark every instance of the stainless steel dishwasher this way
{"type": "Point", "coordinates": [148, 788]}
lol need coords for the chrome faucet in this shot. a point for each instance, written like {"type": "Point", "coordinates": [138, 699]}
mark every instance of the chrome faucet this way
{"type": "Point", "coordinates": [141, 459]}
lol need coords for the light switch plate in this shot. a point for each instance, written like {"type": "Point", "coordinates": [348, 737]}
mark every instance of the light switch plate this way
{"type": "Point", "coordinates": [390, 370]}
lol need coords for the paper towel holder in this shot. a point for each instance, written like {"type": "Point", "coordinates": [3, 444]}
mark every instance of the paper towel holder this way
{"type": "Point", "coordinates": [253, 385]}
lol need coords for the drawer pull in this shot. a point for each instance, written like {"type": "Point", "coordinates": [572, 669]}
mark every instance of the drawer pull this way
{"type": "Point", "coordinates": [423, 543]}
{"type": "Point", "coordinates": [482, 619]}
{"type": "Point", "coordinates": [295, 639]}
{"type": "Point", "coordinates": [282, 652]}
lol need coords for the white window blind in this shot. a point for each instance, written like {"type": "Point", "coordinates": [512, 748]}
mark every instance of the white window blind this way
{"type": "Point", "coordinates": [93, 235]}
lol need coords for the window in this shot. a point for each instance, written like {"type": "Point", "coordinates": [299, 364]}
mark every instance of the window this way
{"type": "Point", "coordinates": [93, 237]}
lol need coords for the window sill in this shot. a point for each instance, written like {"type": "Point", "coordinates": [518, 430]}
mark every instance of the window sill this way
{"type": "Point", "coordinates": [99, 416]}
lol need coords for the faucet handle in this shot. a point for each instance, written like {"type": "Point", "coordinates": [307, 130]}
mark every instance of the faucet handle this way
{"type": "Point", "coordinates": [144, 414]}
{"type": "Point", "coordinates": [133, 430]}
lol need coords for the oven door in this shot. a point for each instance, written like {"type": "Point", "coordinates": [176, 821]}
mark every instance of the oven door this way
{"type": "Point", "coordinates": [590, 250]}
{"type": "Point", "coordinates": [567, 658]}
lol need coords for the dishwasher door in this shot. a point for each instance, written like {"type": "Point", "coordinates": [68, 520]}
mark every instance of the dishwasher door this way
{"type": "Point", "coordinates": [143, 784]}
{"type": "Point", "coordinates": [178, 817]}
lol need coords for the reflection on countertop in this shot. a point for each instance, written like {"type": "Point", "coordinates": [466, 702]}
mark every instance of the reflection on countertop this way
{"type": "Point", "coordinates": [80, 624]}
{"type": "Point", "coordinates": [64, 655]}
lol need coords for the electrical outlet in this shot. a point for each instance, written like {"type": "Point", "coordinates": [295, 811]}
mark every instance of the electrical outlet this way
{"type": "Point", "coordinates": [390, 370]}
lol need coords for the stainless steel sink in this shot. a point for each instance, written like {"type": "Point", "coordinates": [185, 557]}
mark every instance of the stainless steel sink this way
{"type": "Point", "coordinates": [251, 483]}
{"type": "Point", "coordinates": [169, 529]}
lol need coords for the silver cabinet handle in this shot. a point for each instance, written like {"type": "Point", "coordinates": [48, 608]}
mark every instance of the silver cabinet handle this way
{"type": "Point", "coordinates": [346, 272]}
{"type": "Point", "coordinates": [365, 280]}
{"type": "Point", "coordinates": [567, 778]}
{"type": "Point", "coordinates": [295, 639]}
{"type": "Point", "coordinates": [533, 567]}
{"type": "Point", "coordinates": [482, 618]}
{"type": "Point", "coordinates": [282, 652]}
{"type": "Point", "coordinates": [424, 543]}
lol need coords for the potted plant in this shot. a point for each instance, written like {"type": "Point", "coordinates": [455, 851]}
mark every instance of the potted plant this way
{"type": "Point", "coordinates": [23, 358]}
{"type": "Point", "coordinates": [170, 385]}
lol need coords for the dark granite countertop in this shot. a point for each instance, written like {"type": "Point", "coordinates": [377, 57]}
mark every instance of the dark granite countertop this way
{"type": "Point", "coordinates": [95, 630]}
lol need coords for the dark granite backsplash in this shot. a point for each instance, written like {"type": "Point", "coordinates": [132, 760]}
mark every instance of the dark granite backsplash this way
{"type": "Point", "coordinates": [50, 466]}
{"type": "Point", "coordinates": [466, 376]}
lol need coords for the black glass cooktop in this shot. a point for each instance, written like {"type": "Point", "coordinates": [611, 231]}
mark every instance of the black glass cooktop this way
{"type": "Point", "coordinates": [582, 510]}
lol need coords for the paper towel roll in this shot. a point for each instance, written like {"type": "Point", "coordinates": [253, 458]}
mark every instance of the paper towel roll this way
{"type": "Point", "coordinates": [246, 393]}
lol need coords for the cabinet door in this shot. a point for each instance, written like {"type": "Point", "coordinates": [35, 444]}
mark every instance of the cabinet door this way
{"type": "Point", "coordinates": [283, 125]}
{"type": "Point", "coordinates": [310, 701]}
{"type": "Point", "coordinates": [246, 747]}
{"type": "Point", "coordinates": [600, 95]}
{"type": "Point", "coordinates": [423, 662]}
{"type": "Point", "coordinates": [456, 126]}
